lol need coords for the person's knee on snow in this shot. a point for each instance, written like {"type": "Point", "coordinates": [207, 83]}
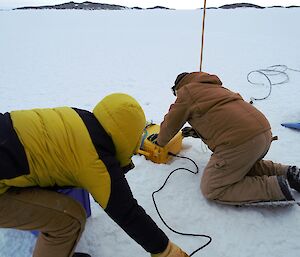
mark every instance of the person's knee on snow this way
{"type": "Point", "coordinates": [209, 192]}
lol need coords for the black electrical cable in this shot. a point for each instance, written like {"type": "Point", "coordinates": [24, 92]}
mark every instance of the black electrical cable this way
{"type": "Point", "coordinates": [278, 70]}
{"type": "Point", "coordinates": [164, 222]}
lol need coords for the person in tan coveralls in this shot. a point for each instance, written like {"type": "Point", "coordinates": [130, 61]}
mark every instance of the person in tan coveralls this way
{"type": "Point", "coordinates": [239, 136]}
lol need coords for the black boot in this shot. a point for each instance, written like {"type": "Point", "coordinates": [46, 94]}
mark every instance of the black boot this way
{"type": "Point", "coordinates": [293, 177]}
{"type": "Point", "coordinates": [81, 255]}
{"type": "Point", "coordinates": [285, 189]}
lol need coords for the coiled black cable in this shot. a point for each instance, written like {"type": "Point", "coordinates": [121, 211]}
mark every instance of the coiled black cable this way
{"type": "Point", "coordinates": [164, 222]}
{"type": "Point", "coordinates": [278, 70]}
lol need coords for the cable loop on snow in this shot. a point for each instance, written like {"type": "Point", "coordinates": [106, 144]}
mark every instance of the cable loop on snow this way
{"type": "Point", "coordinates": [278, 71]}
{"type": "Point", "coordinates": [162, 219]}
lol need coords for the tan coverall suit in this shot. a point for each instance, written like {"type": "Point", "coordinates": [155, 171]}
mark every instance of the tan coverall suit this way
{"type": "Point", "coordinates": [236, 132]}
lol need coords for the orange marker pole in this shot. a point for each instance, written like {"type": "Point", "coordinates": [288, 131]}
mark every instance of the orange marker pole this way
{"type": "Point", "coordinates": [202, 40]}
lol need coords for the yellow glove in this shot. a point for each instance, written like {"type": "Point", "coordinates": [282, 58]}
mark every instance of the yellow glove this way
{"type": "Point", "coordinates": [172, 250]}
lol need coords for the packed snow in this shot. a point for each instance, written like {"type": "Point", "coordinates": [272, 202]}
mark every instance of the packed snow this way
{"type": "Point", "coordinates": [75, 58]}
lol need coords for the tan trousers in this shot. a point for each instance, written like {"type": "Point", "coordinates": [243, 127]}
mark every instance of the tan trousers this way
{"type": "Point", "coordinates": [238, 174]}
{"type": "Point", "coordinates": [59, 218]}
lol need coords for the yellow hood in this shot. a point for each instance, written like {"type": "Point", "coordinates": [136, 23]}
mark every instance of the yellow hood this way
{"type": "Point", "coordinates": [124, 120]}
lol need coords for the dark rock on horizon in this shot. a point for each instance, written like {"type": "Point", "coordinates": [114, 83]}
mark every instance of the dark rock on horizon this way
{"type": "Point", "coordinates": [86, 6]}
{"type": "Point", "coordinates": [158, 7]}
{"type": "Point", "coordinates": [240, 5]}
{"type": "Point", "coordinates": [99, 6]}
{"type": "Point", "coordinates": [77, 6]}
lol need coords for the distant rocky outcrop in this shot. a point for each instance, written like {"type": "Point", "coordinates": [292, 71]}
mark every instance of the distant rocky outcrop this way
{"type": "Point", "coordinates": [137, 8]}
{"type": "Point", "coordinates": [276, 6]}
{"type": "Point", "coordinates": [158, 7]}
{"type": "Point", "coordinates": [247, 5]}
{"type": "Point", "coordinates": [240, 5]}
{"type": "Point", "coordinates": [86, 6]}
{"type": "Point", "coordinates": [77, 6]}
{"type": "Point", "coordinates": [292, 6]}
{"type": "Point", "coordinates": [98, 6]}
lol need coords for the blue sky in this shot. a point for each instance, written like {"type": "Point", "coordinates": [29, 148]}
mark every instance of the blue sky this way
{"type": "Point", "coordinates": [178, 4]}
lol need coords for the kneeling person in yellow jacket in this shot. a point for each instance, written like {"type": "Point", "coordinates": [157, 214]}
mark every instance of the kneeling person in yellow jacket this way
{"type": "Point", "coordinates": [41, 149]}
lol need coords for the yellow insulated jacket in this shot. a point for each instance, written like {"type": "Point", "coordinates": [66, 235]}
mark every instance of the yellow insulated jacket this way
{"type": "Point", "coordinates": [72, 147]}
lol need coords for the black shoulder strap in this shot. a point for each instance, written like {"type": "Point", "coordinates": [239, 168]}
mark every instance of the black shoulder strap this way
{"type": "Point", "coordinates": [122, 207]}
{"type": "Point", "coordinates": [101, 140]}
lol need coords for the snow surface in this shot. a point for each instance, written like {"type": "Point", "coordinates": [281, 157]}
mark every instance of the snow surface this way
{"type": "Point", "coordinates": [75, 58]}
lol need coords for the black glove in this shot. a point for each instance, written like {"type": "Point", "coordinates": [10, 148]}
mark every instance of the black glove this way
{"type": "Point", "coordinates": [153, 138]}
{"type": "Point", "coordinates": [189, 132]}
